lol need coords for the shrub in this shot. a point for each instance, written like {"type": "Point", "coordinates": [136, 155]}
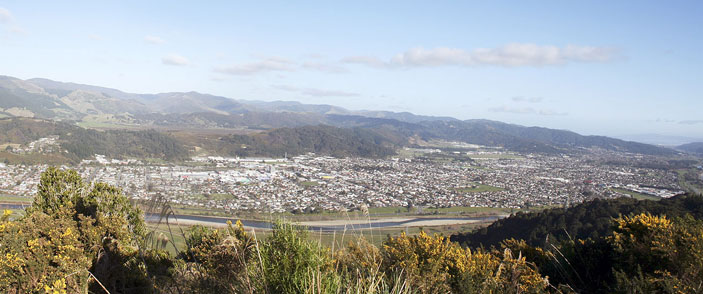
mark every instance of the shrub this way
{"type": "Point", "coordinates": [292, 263]}
{"type": "Point", "coordinates": [433, 264]}
{"type": "Point", "coordinates": [71, 235]}
{"type": "Point", "coordinates": [656, 254]}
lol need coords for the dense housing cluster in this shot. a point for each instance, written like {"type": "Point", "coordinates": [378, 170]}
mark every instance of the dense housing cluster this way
{"type": "Point", "coordinates": [311, 182]}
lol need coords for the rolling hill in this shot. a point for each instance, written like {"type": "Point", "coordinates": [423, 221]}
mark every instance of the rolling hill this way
{"type": "Point", "coordinates": [100, 106]}
{"type": "Point", "coordinates": [77, 143]}
{"type": "Point", "coordinates": [696, 147]}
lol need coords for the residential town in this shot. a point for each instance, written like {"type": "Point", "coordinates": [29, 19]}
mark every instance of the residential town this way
{"type": "Point", "coordinates": [310, 183]}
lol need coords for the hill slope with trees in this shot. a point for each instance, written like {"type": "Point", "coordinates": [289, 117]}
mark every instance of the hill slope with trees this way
{"type": "Point", "coordinates": [696, 147]}
{"type": "Point", "coordinates": [590, 219]}
{"type": "Point", "coordinates": [322, 140]}
{"type": "Point", "coordinates": [80, 143]}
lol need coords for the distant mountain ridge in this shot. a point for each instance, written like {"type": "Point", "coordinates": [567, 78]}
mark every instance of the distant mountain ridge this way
{"type": "Point", "coordinates": [660, 140]}
{"type": "Point", "coordinates": [695, 147]}
{"type": "Point", "coordinates": [71, 102]}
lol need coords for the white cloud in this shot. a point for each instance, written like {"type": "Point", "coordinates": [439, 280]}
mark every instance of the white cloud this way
{"type": "Point", "coordinates": [175, 59]}
{"type": "Point", "coordinates": [528, 99]}
{"type": "Point", "coordinates": [315, 92]}
{"type": "Point", "coordinates": [324, 67]}
{"type": "Point", "coordinates": [509, 109]}
{"type": "Point", "coordinates": [17, 30]}
{"type": "Point", "coordinates": [5, 15]}
{"type": "Point", "coordinates": [664, 120]}
{"type": "Point", "coordinates": [266, 65]}
{"type": "Point", "coordinates": [525, 110]}
{"type": "Point", "coordinates": [154, 40]}
{"type": "Point", "coordinates": [511, 55]}
{"type": "Point", "coordinates": [551, 112]}
{"type": "Point", "coordinates": [8, 21]}
{"type": "Point", "coordinates": [691, 122]}
{"type": "Point", "coordinates": [366, 60]}
{"type": "Point", "coordinates": [95, 37]}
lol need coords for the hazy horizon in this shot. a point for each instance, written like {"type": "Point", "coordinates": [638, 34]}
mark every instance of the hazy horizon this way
{"type": "Point", "coordinates": [601, 68]}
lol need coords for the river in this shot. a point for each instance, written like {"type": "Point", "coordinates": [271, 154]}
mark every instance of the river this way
{"type": "Point", "coordinates": [324, 226]}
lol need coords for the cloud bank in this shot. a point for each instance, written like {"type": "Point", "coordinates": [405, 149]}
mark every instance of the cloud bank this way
{"type": "Point", "coordinates": [266, 65]}
{"type": "Point", "coordinates": [315, 92]}
{"type": "Point", "coordinates": [154, 40]}
{"type": "Point", "coordinates": [8, 21]}
{"type": "Point", "coordinates": [511, 55]}
{"type": "Point", "coordinates": [691, 122]}
{"type": "Point", "coordinates": [527, 99]}
{"type": "Point", "coordinates": [525, 110]}
{"type": "Point", "coordinates": [324, 67]}
{"type": "Point", "coordinates": [5, 15]}
{"type": "Point", "coordinates": [175, 60]}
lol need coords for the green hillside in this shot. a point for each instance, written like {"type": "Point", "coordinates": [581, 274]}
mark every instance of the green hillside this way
{"type": "Point", "coordinates": [323, 140]}
{"type": "Point", "coordinates": [80, 143]}
{"type": "Point", "coordinates": [590, 219]}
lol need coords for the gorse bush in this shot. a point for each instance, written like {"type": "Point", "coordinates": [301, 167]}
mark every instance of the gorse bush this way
{"type": "Point", "coordinates": [88, 238]}
{"type": "Point", "coordinates": [655, 254]}
{"type": "Point", "coordinates": [72, 234]}
{"type": "Point", "coordinates": [433, 264]}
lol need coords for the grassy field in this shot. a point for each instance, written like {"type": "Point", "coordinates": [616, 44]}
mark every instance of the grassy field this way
{"type": "Point", "coordinates": [495, 156]}
{"type": "Point", "coordinates": [689, 185]}
{"type": "Point", "coordinates": [34, 158]}
{"type": "Point", "coordinates": [106, 124]}
{"type": "Point", "coordinates": [478, 189]}
{"type": "Point", "coordinates": [462, 210]}
{"type": "Point", "coordinates": [638, 196]}
{"type": "Point", "coordinates": [174, 233]}
{"type": "Point", "coordinates": [378, 212]}
{"type": "Point", "coordinates": [12, 199]}
{"type": "Point", "coordinates": [404, 153]}
{"type": "Point", "coordinates": [4, 198]}
{"type": "Point", "coordinates": [176, 238]}
{"type": "Point", "coordinates": [469, 210]}
{"type": "Point", "coordinates": [309, 183]}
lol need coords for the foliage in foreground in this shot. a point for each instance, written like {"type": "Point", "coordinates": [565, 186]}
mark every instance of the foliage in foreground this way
{"type": "Point", "coordinates": [642, 253]}
{"type": "Point", "coordinates": [592, 219]}
{"type": "Point", "coordinates": [83, 238]}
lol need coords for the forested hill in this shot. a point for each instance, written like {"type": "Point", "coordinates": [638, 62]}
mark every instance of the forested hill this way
{"type": "Point", "coordinates": [696, 147]}
{"type": "Point", "coordinates": [85, 143]}
{"type": "Point", "coordinates": [591, 219]}
{"type": "Point", "coordinates": [78, 143]}
{"type": "Point", "coordinates": [323, 140]}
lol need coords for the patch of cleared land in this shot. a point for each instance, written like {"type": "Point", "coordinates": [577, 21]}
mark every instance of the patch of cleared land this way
{"type": "Point", "coordinates": [309, 183]}
{"type": "Point", "coordinates": [478, 188]}
{"type": "Point", "coordinates": [638, 196]}
{"type": "Point", "coordinates": [4, 198]}
{"type": "Point", "coordinates": [495, 156]}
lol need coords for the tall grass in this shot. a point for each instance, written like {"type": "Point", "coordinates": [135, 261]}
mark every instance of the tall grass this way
{"type": "Point", "coordinates": [291, 260]}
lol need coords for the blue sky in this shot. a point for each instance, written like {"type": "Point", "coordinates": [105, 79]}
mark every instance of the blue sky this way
{"type": "Point", "coordinates": [610, 67]}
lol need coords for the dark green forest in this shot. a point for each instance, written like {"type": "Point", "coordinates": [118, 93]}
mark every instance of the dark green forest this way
{"type": "Point", "coordinates": [608, 246]}
{"type": "Point", "coordinates": [80, 143]}
{"type": "Point", "coordinates": [590, 219]}
{"type": "Point", "coordinates": [323, 140]}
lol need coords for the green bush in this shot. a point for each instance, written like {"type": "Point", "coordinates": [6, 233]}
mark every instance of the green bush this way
{"type": "Point", "coordinates": [292, 263]}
